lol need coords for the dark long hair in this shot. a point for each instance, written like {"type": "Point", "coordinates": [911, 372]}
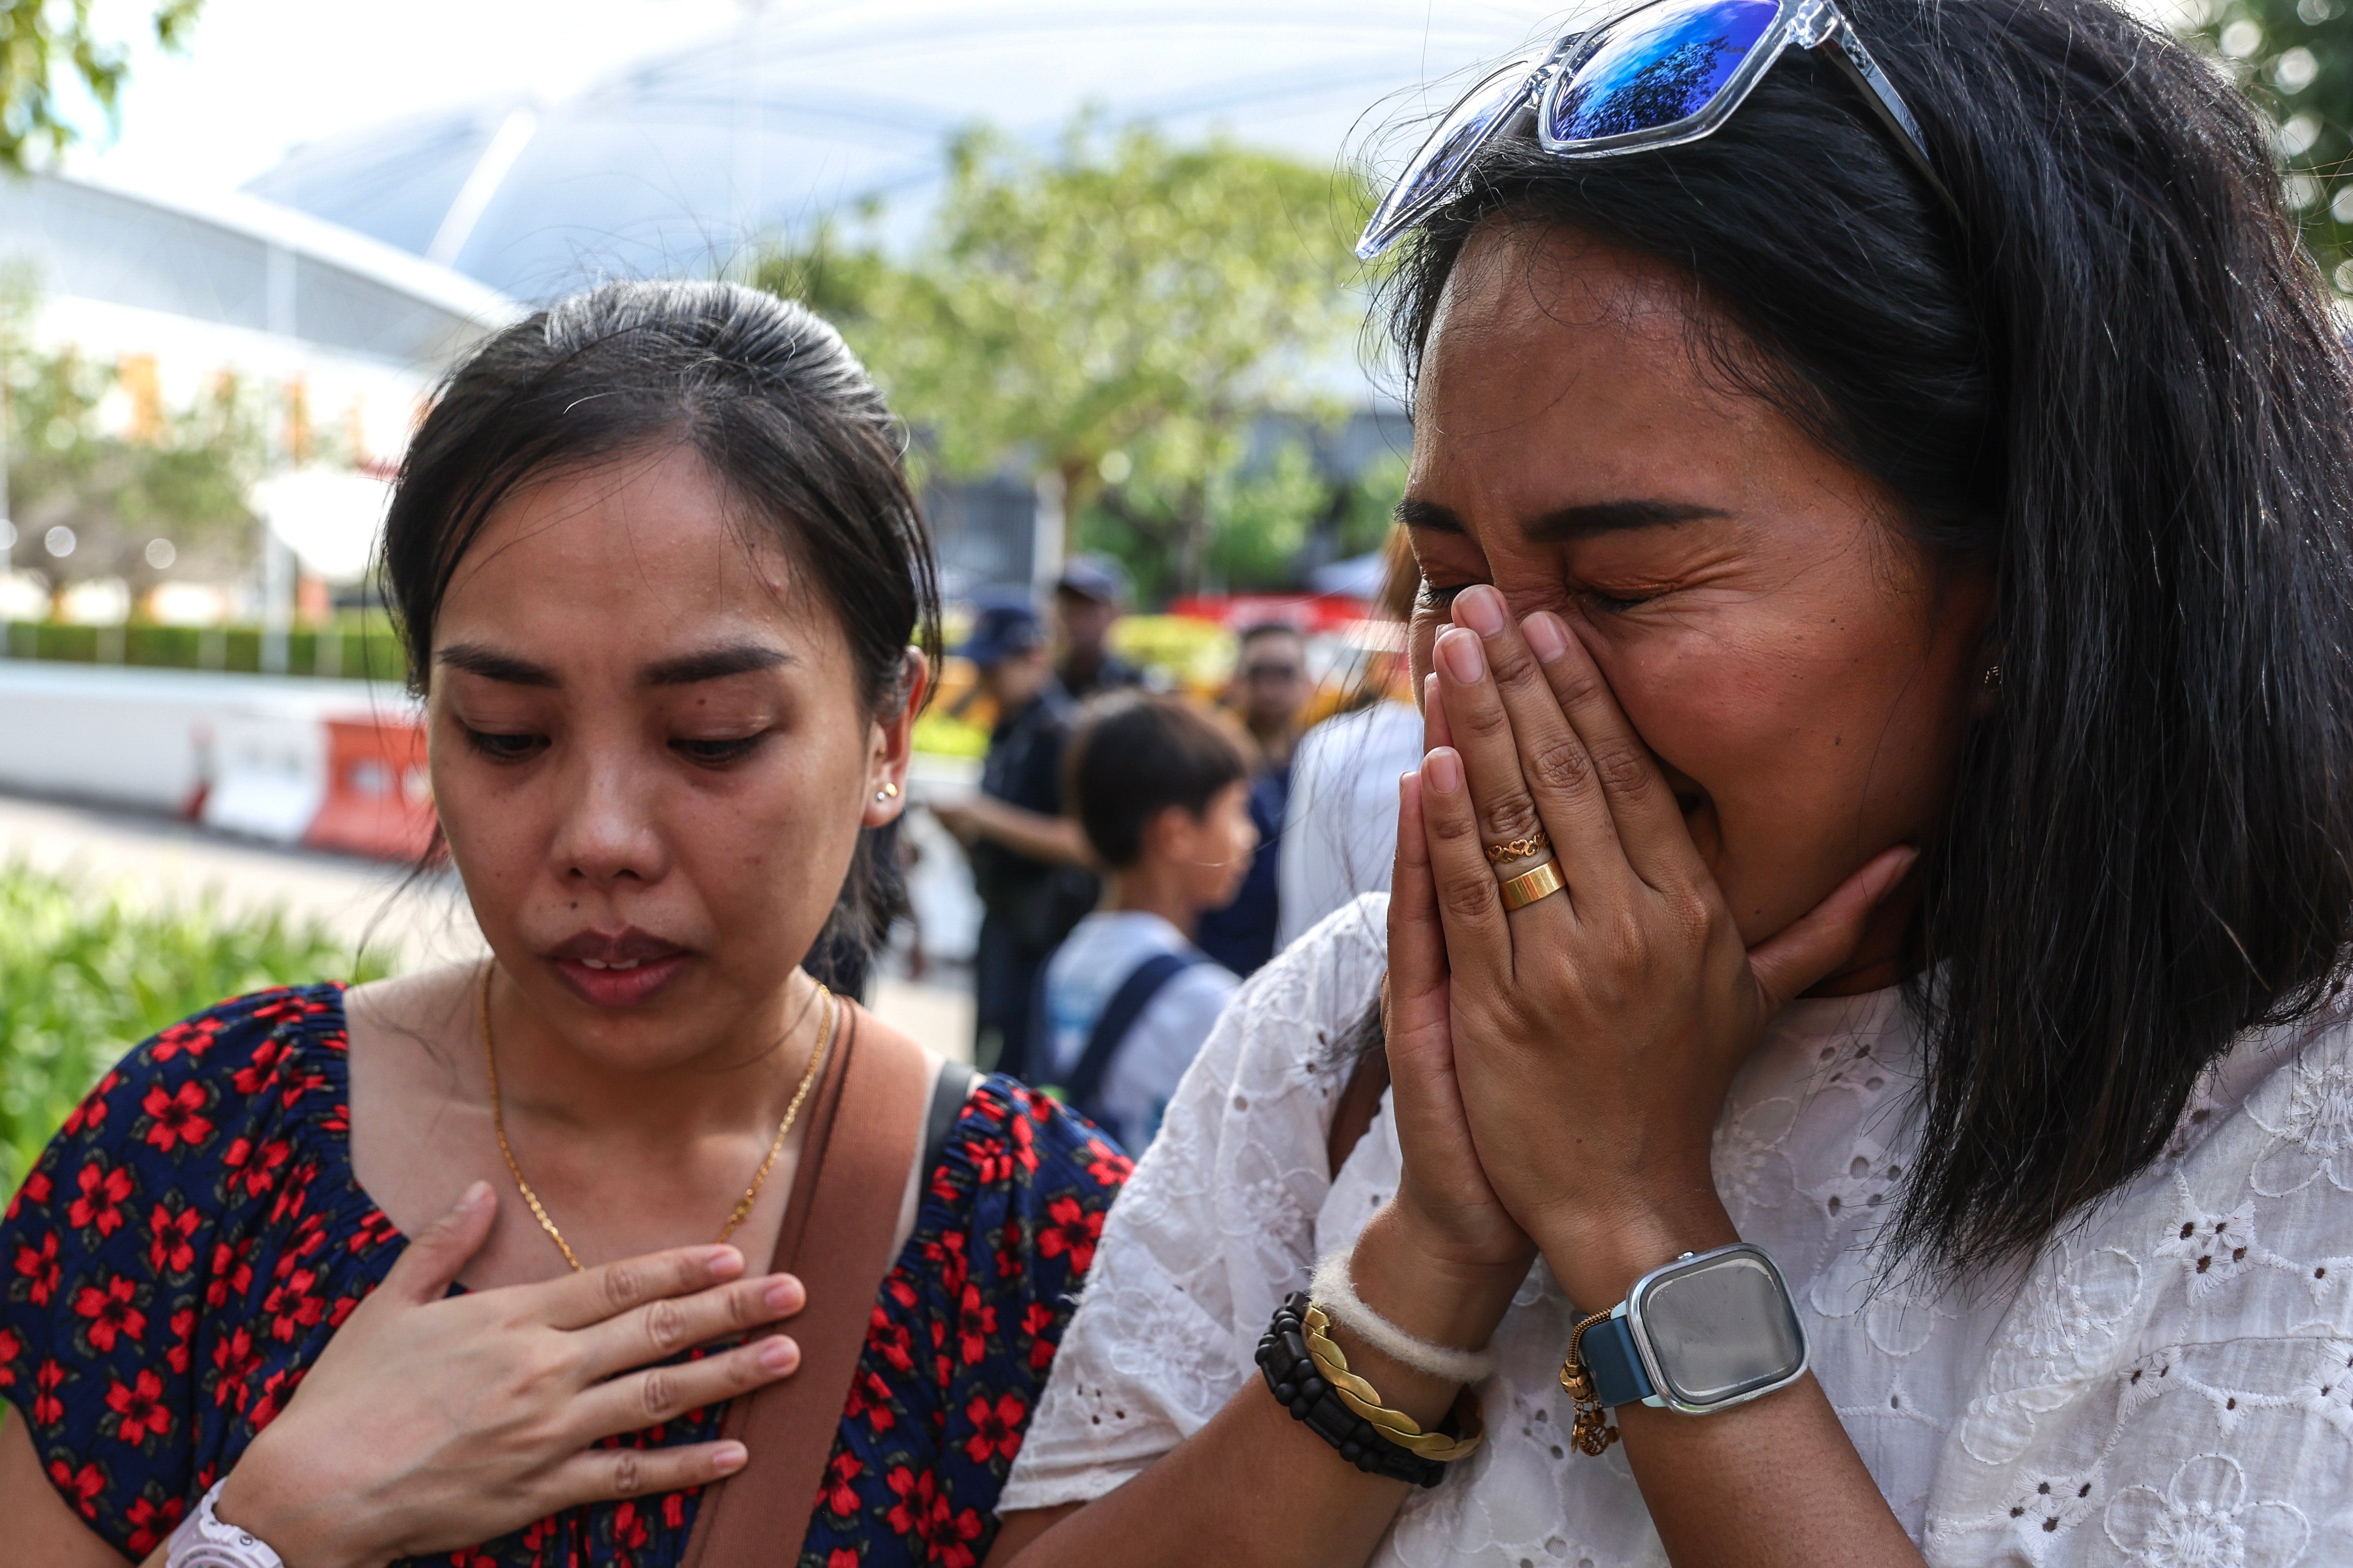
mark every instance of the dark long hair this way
{"type": "Point", "coordinates": [781, 412]}
{"type": "Point", "coordinates": [2117, 379]}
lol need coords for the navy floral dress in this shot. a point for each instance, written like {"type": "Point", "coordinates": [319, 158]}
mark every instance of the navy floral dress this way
{"type": "Point", "coordinates": [190, 1241]}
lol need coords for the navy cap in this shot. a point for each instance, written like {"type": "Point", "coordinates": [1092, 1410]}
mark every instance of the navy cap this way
{"type": "Point", "coordinates": [1096, 578]}
{"type": "Point", "coordinates": [1001, 631]}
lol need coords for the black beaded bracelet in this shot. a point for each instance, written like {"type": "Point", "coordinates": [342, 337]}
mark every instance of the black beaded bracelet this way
{"type": "Point", "coordinates": [1292, 1373]}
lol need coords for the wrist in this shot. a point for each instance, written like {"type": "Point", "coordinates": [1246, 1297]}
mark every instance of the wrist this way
{"type": "Point", "coordinates": [303, 1528]}
{"type": "Point", "coordinates": [1405, 1274]}
{"type": "Point", "coordinates": [1598, 1254]}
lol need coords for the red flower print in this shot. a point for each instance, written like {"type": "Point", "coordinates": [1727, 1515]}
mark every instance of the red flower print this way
{"type": "Point", "coordinates": [628, 1529]}
{"type": "Point", "coordinates": [276, 1390]}
{"type": "Point", "coordinates": [194, 1036]}
{"type": "Point", "coordinates": [1072, 1230]}
{"type": "Point", "coordinates": [171, 1246]}
{"type": "Point", "coordinates": [139, 1408]}
{"type": "Point", "coordinates": [673, 1510]}
{"type": "Point", "coordinates": [976, 1320]}
{"type": "Point", "coordinates": [841, 1557]}
{"type": "Point", "coordinates": [113, 1312]}
{"type": "Point", "coordinates": [177, 1118]}
{"type": "Point", "coordinates": [256, 1168]}
{"type": "Point", "coordinates": [1036, 1319]}
{"type": "Point", "coordinates": [90, 1114]}
{"type": "Point", "coordinates": [869, 1401]}
{"type": "Point", "coordinates": [36, 1190]}
{"type": "Point", "coordinates": [923, 1513]}
{"type": "Point", "coordinates": [150, 1521]}
{"type": "Point", "coordinates": [103, 1194]}
{"type": "Point", "coordinates": [991, 1165]}
{"type": "Point", "coordinates": [11, 1347]}
{"type": "Point", "coordinates": [261, 1072]}
{"type": "Point", "coordinates": [835, 1493]}
{"type": "Point", "coordinates": [235, 1356]}
{"type": "Point", "coordinates": [232, 1275]}
{"type": "Point", "coordinates": [1107, 1165]}
{"type": "Point", "coordinates": [183, 1329]}
{"type": "Point", "coordinates": [891, 1342]}
{"type": "Point", "coordinates": [80, 1486]}
{"type": "Point", "coordinates": [47, 1408]}
{"type": "Point", "coordinates": [997, 1429]}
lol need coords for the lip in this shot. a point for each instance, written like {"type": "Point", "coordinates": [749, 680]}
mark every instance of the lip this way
{"type": "Point", "coordinates": [616, 969]}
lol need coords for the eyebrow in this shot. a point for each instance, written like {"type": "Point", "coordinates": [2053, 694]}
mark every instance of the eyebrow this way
{"type": "Point", "coordinates": [1569, 522]}
{"type": "Point", "coordinates": [685, 670]}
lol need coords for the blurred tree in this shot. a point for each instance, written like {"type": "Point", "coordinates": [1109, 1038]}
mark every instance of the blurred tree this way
{"type": "Point", "coordinates": [2295, 56]}
{"type": "Point", "coordinates": [1120, 315]}
{"type": "Point", "coordinates": [49, 46]}
{"type": "Point", "coordinates": [117, 469]}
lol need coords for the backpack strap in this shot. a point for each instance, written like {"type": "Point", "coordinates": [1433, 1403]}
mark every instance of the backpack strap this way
{"type": "Point", "coordinates": [1119, 1015]}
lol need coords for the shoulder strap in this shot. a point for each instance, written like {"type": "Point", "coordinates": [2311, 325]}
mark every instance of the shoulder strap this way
{"type": "Point", "coordinates": [949, 1091]}
{"type": "Point", "coordinates": [837, 1233]}
{"type": "Point", "coordinates": [1119, 1015]}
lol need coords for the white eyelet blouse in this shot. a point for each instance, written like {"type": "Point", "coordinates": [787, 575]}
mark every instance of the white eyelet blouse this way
{"type": "Point", "coordinates": [2169, 1383]}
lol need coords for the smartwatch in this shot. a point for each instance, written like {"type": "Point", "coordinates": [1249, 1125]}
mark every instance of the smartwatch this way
{"type": "Point", "coordinates": [1709, 1330]}
{"type": "Point", "coordinates": [203, 1542]}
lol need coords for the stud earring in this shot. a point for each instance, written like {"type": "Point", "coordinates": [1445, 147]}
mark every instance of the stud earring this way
{"type": "Point", "coordinates": [1992, 678]}
{"type": "Point", "coordinates": [888, 792]}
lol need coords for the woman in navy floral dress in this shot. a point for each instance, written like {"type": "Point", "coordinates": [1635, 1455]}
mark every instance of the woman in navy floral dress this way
{"type": "Point", "coordinates": [654, 768]}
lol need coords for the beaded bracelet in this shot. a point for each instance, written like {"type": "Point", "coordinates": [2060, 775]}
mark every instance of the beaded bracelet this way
{"type": "Point", "coordinates": [1309, 1374]}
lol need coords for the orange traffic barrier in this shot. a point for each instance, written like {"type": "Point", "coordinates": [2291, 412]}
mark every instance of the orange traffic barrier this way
{"type": "Point", "coordinates": [379, 797]}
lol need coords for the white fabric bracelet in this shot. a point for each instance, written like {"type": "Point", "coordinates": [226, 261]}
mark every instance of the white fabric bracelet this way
{"type": "Point", "coordinates": [1332, 1289]}
{"type": "Point", "coordinates": [203, 1542]}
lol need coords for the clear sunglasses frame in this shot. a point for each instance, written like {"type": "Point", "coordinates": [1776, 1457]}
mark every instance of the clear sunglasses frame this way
{"type": "Point", "coordinates": [1520, 97]}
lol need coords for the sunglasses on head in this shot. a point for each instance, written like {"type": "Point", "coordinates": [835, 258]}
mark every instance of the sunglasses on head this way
{"type": "Point", "coordinates": [1660, 74]}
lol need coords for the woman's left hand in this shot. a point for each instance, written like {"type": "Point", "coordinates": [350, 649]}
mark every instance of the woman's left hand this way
{"type": "Point", "coordinates": [1597, 1029]}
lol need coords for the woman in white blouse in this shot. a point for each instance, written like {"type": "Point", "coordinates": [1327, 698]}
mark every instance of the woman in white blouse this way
{"type": "Point", "coordinates": [1888, 621]}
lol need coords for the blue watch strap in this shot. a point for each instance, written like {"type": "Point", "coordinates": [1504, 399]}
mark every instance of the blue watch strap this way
{"type": "Point", "coordinates": [1615, 1365]}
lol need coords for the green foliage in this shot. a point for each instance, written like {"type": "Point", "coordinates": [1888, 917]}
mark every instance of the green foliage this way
{"type": "Point", "coordinates": [183, 477]}
{"type": "Point", "coordinates": [85, 974]}
{"type": "Point", "coordinates": [2295, 56]}
{"type": "Point", "coordinates": [1122, 314]}
{"type": "Point", "coordinates": [47, 46]}
{"type": "Point", "coordinates": [347, 652]}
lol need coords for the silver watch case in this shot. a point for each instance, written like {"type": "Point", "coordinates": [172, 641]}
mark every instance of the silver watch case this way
{"type": "Point", "coordinates": [1715, 1330]}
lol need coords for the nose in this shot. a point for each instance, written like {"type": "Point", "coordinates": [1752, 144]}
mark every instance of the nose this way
{"type": "Point", "coordinates": [606, 826]}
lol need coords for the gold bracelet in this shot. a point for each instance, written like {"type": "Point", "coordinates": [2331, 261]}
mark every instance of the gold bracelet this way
{"type": "Point", "coordinates": [1366, 1401]}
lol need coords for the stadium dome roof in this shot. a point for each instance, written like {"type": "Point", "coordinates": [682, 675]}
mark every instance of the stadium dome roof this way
{"type": "Point", "coordinates": [674, 163]}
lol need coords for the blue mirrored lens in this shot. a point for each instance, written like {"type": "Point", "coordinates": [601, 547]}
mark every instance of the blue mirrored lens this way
{"type": "Point", "coordinates": [1443, 157]}
{"type": "Point", "coordinates": [1656, 65]}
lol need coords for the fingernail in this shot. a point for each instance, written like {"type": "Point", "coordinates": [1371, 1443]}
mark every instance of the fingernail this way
{"type": "Point", "coordinates": [1547, 638]}
{"type": "Point", "coordinates": [1463, 658]}
{"type": "Point", "coordinates": [1480, 608]}
{"type": "Point", "coordinates": [724, 1261]}
{"type": "Point", "coordinates": [728, 1458]}
{"type": "Point", "coordinates": [1429, 690]}
{"type": "Point", "coordinates": [783, 1294]}
{"type": "Point", "coordinates": [474, 1197]}
{"type": "Point", "coordinates": [1443, 769]}
{"type": "Point", "coordinates": [779, 1353]}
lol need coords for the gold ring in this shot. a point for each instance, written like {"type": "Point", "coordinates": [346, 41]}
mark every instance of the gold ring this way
{"type": "Point", "coordinates": [1519, 848]}
{"type": "Point", "coordinates": [1529, 886]}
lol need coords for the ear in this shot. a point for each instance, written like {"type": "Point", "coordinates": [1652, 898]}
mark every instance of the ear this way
{"type": "Point", "coordinates": [892, 743]}
{"type": "Point", "coordinates": [1168, 833]}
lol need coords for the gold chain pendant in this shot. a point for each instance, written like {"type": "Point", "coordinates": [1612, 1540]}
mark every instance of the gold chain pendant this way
{"type": "Point", "coordinates": [751, 1194]}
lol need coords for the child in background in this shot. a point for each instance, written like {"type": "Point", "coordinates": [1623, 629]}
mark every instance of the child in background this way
{"type": "Point", "coordinates": [1162, 791]}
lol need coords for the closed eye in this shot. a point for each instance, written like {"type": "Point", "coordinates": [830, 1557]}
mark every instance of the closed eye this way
{"type": "Point", "coordinates": [500, 746]}
{"type": "Point", "coordinates": [718, 752]}
{"type": "Point", "coordinates": [1614, 604]}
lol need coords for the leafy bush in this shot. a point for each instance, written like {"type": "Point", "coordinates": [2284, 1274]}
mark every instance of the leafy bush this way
{"type": "Point", "coordinates": [85, 974]}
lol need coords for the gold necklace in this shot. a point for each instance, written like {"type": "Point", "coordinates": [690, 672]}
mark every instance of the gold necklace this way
{"type": "Point", "coordinates": [751, 1194]}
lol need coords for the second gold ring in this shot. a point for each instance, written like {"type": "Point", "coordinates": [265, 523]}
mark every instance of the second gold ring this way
{"type": "Point", "coordinates": [1529, 886]}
